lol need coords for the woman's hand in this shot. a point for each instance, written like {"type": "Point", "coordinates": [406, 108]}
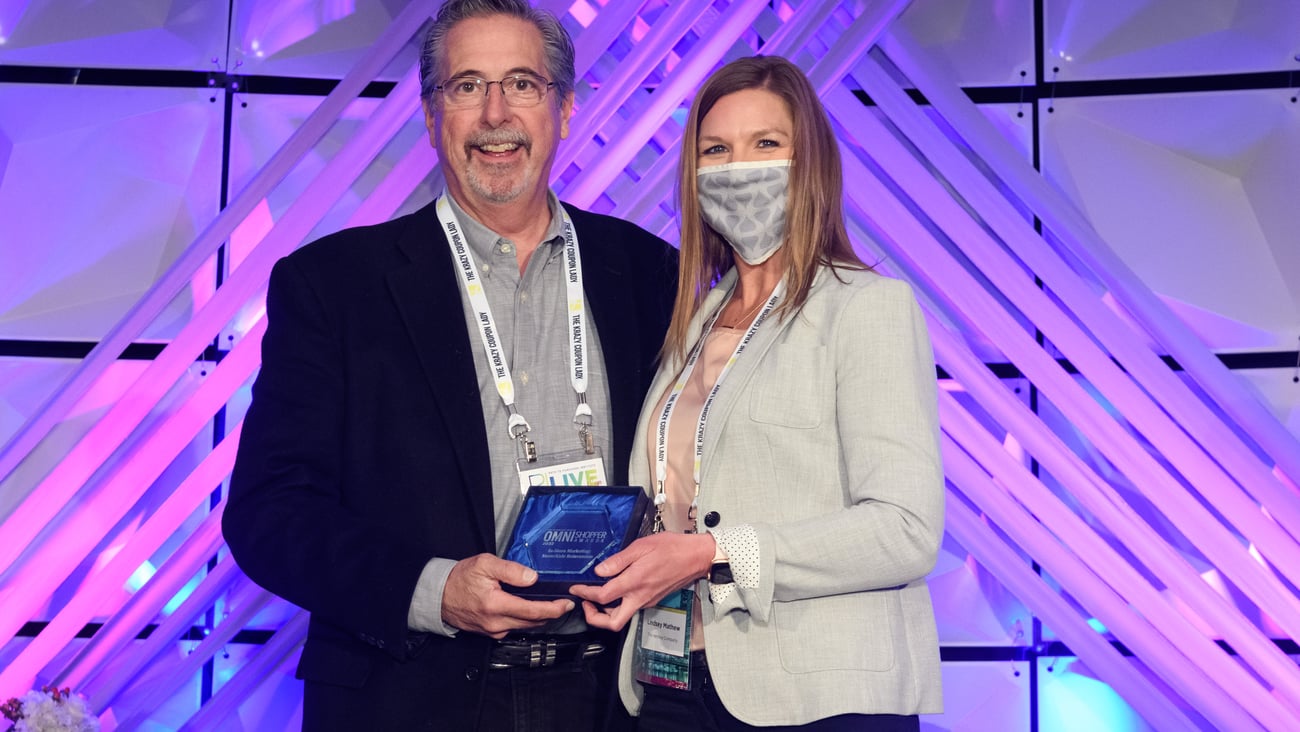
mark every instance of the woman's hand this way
{"type": "Point", "coordinates": [646, 571]}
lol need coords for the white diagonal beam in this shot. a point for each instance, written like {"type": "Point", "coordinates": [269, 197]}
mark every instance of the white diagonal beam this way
{"type": "Point", "coordinates": [147, 309]}
{"type": "Point", "coordinates": [1231, 393]}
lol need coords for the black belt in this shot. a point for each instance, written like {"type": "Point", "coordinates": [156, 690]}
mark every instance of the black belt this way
{"type": "Point", "coordinates": [542, 651]}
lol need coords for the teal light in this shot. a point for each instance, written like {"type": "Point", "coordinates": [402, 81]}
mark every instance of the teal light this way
{"type": "Point", "coordinates": [1072, 700]}
{"type": "Point", "coordinates": [182, 595]}
{"type": "Point", "coordinates": [140, 576]}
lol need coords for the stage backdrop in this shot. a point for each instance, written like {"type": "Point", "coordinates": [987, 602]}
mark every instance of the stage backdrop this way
{"type": "Point", "coordinates": [1096, 201]}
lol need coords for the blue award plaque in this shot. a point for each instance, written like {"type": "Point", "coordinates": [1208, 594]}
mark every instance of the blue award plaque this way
{"type": "Point", "coordinates": [563, 532]}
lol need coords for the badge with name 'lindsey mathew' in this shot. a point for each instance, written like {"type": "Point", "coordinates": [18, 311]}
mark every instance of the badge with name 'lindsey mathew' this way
{"type": "Point", "coordinates": [563, 532]}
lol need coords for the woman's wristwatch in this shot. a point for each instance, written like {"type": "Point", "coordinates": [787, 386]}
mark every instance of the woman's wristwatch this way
{"type": "Point", "coordinates": [720, 573]}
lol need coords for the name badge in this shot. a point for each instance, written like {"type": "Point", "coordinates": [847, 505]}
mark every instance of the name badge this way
{"type": "Point", "coordinates": [663, 648]}
{"type": "Point", "coordinates": [565, 469]}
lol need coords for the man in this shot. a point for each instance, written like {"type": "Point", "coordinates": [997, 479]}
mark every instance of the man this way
{"type": "Point", "coordinates": [410, 372]}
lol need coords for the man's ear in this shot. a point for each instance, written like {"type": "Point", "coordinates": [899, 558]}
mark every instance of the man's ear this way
{"type": "Point", "coordinates": [566, 111]}
{"type": "Point", "coordinates": [430, 117]}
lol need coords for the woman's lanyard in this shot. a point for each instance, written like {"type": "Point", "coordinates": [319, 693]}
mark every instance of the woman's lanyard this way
{"type": "Point", "coordinates": [489, 335]}
{"type": "Point", "coordinates": [665, 416]}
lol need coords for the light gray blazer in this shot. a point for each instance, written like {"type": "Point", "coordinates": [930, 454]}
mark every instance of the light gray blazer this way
{"type": "Point", "coordinates": [825, 438]}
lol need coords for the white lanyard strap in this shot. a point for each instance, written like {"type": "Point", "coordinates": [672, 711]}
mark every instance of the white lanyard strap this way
{"type": "Point", "coordinates": [665, 416]}
{"type": "Point", "coordinates": [517, 426]}
{"type": "Point", "coordinates": [582, 416]}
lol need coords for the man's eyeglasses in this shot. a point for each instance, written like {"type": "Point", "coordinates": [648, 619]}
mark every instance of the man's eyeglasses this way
{"type": "Point", "coordinates": [519, 90]}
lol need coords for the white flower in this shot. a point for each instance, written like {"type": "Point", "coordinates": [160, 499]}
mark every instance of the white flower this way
{"type": "Point", "coordinates": [54, 711]}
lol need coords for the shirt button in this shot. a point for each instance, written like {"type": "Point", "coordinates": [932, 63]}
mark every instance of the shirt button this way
{"type": "Point", "coordinates": [523, 378]}
{"type": "Point", "coordinates": [524, 296]}
{"type": "Point", "coordinates": [506, 248]}
{"type": "Point", "coordinates": [471, 673]}
{"type": "Point", "coordinates": [711, 519]}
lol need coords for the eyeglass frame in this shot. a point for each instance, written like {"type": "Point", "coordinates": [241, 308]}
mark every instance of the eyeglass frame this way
{"type": "Point", "coordinates": [441, 89]}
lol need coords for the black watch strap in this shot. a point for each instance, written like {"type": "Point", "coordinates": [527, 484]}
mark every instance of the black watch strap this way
{"type": "Point", "coordinates": [720, 574]}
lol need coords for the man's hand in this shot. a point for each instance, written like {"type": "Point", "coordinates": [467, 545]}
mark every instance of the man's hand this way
{"type": "Point", "coordinates": [646, 571]}
{"type": "Point", "coordinates": [472, 599]}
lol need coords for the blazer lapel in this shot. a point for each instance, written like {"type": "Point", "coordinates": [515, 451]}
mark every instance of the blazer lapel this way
{"type": "Point", "coordinates": [667, 374]}
{"type": "Point", "coordinates": [427, 295]}
{"type": "Point", "coordinates": [733, 386]}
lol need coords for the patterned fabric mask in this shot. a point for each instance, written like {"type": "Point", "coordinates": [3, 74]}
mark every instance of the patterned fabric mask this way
{"type": "Point", "coordinates": [745, 203]}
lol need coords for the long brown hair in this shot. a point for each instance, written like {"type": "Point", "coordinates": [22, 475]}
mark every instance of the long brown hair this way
{"type": "Point", "coordinates": [814, 226]}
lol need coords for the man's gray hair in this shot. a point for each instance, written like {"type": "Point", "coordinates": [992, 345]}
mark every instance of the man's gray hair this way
{"type": "Point", "coordinates": [556, 43]}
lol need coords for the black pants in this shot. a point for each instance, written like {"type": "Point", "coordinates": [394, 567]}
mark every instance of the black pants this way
{"type": "Point", "coordinates": [670, 710]}
{"type": "Point", "coordinates": [573, 697]}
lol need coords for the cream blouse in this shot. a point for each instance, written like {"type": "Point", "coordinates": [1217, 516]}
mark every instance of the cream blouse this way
{"type": "Point", "coordinates": [737, 543]}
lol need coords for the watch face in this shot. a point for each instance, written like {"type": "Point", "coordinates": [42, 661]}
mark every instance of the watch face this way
{"type": "Point", "coordinates": [720, 574]}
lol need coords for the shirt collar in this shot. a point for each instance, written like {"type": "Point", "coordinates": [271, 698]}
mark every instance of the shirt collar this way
{"type": "Point", "coordinates": [482, 240]}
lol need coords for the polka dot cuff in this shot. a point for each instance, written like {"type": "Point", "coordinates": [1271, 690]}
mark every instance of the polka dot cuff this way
{"type": "Point", "coordinates": [740, 544]}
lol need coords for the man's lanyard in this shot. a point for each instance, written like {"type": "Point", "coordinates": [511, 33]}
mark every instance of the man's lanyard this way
{"type": "Point", "coordinates": [576, 328]}
{"type": "Point", "coordinates": [665, 417]}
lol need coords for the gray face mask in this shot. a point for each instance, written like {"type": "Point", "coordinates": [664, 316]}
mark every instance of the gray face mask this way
{"type": "Point", "coordinates": [745, 203]}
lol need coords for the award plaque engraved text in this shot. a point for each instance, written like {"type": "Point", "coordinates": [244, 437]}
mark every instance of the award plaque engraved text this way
{"type": "Point", "coordinates": [563, 532]}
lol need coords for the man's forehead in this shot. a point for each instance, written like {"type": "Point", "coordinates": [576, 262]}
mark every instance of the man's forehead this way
{"type": "Point", "coordinates": [494, 45]}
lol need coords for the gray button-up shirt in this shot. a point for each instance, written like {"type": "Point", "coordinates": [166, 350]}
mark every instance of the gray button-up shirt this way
{"type": "Point", "coordinates": [532, 323]}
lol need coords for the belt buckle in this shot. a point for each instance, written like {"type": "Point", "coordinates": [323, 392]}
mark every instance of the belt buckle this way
{"type": "Point", "coordinates": [534, 653]}
{"type": "Point", "coordinates": [542, 653]}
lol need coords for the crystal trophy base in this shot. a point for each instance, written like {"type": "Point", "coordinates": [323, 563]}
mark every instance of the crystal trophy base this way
{"type": "Point", "coordinates": [563, 532]}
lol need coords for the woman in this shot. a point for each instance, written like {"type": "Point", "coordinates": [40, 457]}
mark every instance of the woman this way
{"type": "Point", "coordinates": [815, 467]}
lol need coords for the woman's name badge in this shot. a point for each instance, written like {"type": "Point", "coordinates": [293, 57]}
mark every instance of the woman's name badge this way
{"type": "Point", "coordinates": [663, 648]}
{"type": "Point", "coordinates": [571, 468]}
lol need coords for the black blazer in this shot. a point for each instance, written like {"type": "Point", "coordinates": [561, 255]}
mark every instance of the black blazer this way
{"type": "Point", "coordinates": [363, 454]}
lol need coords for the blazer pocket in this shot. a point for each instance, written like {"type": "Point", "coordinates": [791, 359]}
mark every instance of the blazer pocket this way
{"type": "Point", "coordinates": [787, 388]}
{"type": "Point", "coordinates": [852, 632]}
{"type": "Point", "coordinates": [334, 664]}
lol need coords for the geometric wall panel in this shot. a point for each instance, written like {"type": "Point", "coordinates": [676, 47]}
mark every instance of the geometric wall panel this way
{"type": "Point", "coordinates": [272, 615]}
{"type": "Point", "coordinates": [1087, 39]}
{"type": "Point", "coordinates": [971, 606]}
{"type": "Point", "coordinates": [1280, 390]}
{"type": "Point", "coordinates": [982, 697]}
{"type": "Point", "coordinates": [1197, 194]}
{"type": "Point", "coordinates": [117, 536]}
{"type": "Point", "coordinates": [27, 383]}
{"type": "Point", "coordinates": [1084, 474]}
{"type": "Point", "coordinates": [275, 705]}
{"type": "Point", "coordinates": [976, 43]}
{"type": "Point", "coordinates": [99, 240]}
{"type": "Point", "coordinates": [261, 128]}
{"type": "Point", "coordinates": [1072, 699]}
{"type": "Point", "coordinates": [181, 34]}
{"type": "Point", "coordinates": [311, 38]}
